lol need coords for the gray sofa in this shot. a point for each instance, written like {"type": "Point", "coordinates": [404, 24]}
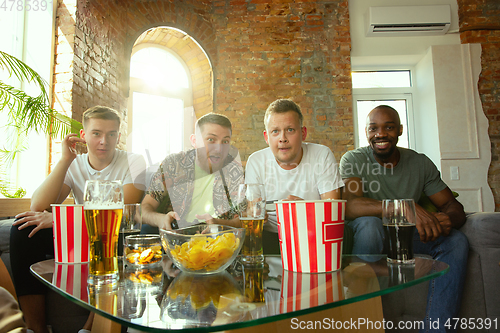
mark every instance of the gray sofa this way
{"type": "Point", "coordinates": [63, 315]}
{"type": "Point", "coordinates": [481, 296]}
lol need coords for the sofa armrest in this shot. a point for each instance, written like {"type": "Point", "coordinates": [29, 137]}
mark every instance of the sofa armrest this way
{"type": "Point", "coordinates": [482, 230]}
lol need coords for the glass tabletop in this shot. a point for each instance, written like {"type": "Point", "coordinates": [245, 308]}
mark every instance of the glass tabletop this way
{"type": "Point", "coordinates": [152, 299]}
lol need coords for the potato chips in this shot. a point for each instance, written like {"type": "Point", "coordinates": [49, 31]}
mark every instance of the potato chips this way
{"type": "Point", "coordinates": [202, 252]}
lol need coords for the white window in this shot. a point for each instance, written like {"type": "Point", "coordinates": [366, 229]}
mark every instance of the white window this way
{"type": "Point", "coordinates": [161, 116]}
{"type": "Point", "coordinates": [374, 88]}
{"type": "Point", "coordinates": [27, 35]}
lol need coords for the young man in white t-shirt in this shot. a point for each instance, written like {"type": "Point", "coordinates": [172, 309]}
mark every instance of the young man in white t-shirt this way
{"type": "Point", "coordinates": [291, 169]}
{"type": "Point", "coordinates": [31, 234]}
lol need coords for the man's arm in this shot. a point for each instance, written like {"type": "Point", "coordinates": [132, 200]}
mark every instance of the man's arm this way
{"type": "Point", "coordinates": [335, 194]}
{"type": "Point", "coordinates": [428, 225]}
{"type": "Point", "coordinates": [53, 190]}
{"type": "Point", "coordinates": [451, 212]}
{"type": "Point", "coordinates": [131, 194]}
{"type": "Point", "coordinates": [153, 218]}
{"type": "Point", "coordinates": [357, 205]}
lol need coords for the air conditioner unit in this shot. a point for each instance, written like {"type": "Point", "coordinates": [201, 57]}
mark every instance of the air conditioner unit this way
{"type": "Point", "coordinates": [408, 20]}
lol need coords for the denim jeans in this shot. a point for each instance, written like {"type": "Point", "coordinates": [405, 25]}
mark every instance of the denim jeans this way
{"type": "Point", "coordinates": [445, 292]}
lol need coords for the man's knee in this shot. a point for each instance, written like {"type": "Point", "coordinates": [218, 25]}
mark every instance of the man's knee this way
{"type": "Point", "coordinates": [458, 242]}
{"type": "Point", "coordinates": [369, 226]}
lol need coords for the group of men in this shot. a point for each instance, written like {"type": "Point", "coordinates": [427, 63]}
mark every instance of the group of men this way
{"type": "Point", "coordinates": [200, 186]}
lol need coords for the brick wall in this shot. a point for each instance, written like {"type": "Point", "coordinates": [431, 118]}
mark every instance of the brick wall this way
{"type": "Point", "coordinates": [260, 50]}
{"type": "Point", "coordinates": [480, 23]}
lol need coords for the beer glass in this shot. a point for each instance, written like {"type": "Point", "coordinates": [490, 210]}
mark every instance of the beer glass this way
{"type": "Point", "coordinates": [399, 219]}
{"type": "Point", "coordinates": [254, 283]}
{"type": "Point", "coordinates": [103, 209]}
{"type": "Point", "coordinates": [131, 224]}
{"type": "Point", "coordinates": [252, 212]}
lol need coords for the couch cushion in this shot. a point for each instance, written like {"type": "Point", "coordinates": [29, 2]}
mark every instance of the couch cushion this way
{"type": "Point", "coordinates": [5, 234]}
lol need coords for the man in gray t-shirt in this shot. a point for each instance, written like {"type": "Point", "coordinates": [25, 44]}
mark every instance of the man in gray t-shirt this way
{"type": "Point", "coordinates": [384, 171]}
{"type": "Point", "coordinates": [413, 174]}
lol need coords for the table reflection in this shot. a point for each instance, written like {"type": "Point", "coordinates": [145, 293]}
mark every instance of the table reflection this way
{"type": "Point", "coordinates": [162, 297]}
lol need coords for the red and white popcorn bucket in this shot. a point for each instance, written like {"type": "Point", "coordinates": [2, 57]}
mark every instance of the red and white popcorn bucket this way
{"type": "Point", "coordinates": [71, 240]}
{"type": "Point", "coordinates": [72, 279]}
{"type": "Point", "coordinates": [311, 234]}
{"type": "Point", "coordinates": [303, 291]}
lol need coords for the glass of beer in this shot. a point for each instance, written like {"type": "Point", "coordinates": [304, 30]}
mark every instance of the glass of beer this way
{"type": "Point", "coordinates": [399, 219]}
{"type": "Point", "coordinates": [103, 209]}
{"type": "Point", "coordinates": [131, 224]}
{"type": "Point", "coordinates": [252, 212]}
{"type": "Point", "coordinates": [254, 283]}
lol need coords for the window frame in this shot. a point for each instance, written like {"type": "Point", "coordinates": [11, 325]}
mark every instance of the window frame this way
{"type": "Point", "coordinates": [401, 93]}
{"type": "Point", "coordinates": [185, 94]}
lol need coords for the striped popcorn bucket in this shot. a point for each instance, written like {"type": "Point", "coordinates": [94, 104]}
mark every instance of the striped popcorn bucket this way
{"type": "Point", "coordinates": [71, 240]}
{"type": "Point", "coordinates": [311, 234]}
{"type": "Point", "coordinates": [72, 279]}
{"type": "Point", "coordinates": [303, 291]}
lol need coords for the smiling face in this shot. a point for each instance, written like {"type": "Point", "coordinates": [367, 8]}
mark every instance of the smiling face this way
{"type": "Point", "coordinates": [383, 128]}
{"type": "Point", "coordinates": [212, 143]}
{"type": "Point", "coordinates": [101, 136]}
{"type": "Point", "coordinates": [284, 135]}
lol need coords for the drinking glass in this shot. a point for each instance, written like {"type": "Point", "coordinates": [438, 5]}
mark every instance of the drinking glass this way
{"type": "Point", "coordinates": [399, 219]}
{"type": "Point", "coordinates": [131, 224]}
{"type": "Point", "coordinates": [103, 209]}
{"type": "Point", "coordinates": [252, 212]}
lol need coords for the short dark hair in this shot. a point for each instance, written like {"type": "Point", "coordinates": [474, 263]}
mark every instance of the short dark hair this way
{"type": "Point", "coordinates": [392, 110]}
{"type": "Point", "coordinates": [282, 106]}
{"type": "Point", "coordinates": [101, 112]}
{"type": "Point", "coordinates": [214, 118]}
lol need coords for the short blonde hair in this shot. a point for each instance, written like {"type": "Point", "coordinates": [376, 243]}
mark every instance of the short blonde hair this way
{"type": "Point", "coordinates": [101, 112]}
{"type": "Point", "coordinates": [282, 106]}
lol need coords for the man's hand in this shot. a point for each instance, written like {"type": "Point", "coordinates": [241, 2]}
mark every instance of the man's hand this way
{"type": "Point", "coordinates": [292, 198]}
{"type": "Point", "coordinates": [428, 226]}
{"type": "Point", "coordinates": [69, 150]}
{"type": "Point", "coordinates": [445, 222]}
{"type": "Point", "coordinates": [166, 223]}
{"type": "Point", "coordinates": [41, 220]}
{"type": "Point", "coordinates": [169, 268]}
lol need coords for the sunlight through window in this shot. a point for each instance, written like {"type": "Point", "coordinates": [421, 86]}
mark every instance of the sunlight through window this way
{"type": "Point", "coordinates": [158, 67]}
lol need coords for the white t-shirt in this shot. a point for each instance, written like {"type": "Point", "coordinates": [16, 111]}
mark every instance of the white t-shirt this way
{"type": "Point", "coordinates": [317, 173]}
{"type": "Point", "coordinates": [127, 167]}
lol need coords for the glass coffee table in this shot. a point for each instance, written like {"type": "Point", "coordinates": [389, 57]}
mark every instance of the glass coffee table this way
{"type": "Point", "coordinates": [150, 300]}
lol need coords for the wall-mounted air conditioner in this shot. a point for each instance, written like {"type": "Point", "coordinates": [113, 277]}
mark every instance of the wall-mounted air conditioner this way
{"type": "Point", "coordinates": [408, 20]}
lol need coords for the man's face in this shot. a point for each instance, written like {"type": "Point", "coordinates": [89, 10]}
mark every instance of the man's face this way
{"type": "Point", "coordinates": [212, 143]}
{"type": "Point", "coordinates": [382, 131]}
{"type": "Point", "coordinates": [101, 136]}
{"type": "Point", "coordinates": [284, 135]}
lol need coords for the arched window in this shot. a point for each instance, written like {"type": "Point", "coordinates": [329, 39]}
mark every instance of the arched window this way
{"type": "Point", "coordinates": [160, 118]}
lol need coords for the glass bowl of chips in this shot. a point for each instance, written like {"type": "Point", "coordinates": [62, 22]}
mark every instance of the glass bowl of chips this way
{"type": "Point", "coordinates": [194, 300]}
{"type": "Point", "coordinates": [203, 248]}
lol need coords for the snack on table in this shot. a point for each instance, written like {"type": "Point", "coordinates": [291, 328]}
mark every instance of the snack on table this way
{"type": "Point", "coordinates": [201, 290]}
{"type": "Point", "coordinates": [143, 249]}
{"type": "Point", "coordinates": [202, 252]}
{"type": "Point", "coordinates": [145, 276]}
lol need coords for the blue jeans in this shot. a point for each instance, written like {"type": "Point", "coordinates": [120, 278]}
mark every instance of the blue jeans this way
{"type": "Point", "coordinates": [445, 292]}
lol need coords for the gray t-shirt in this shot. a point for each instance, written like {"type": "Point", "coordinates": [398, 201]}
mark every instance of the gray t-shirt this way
{"type": "Point", "coordinates": [413, 174]}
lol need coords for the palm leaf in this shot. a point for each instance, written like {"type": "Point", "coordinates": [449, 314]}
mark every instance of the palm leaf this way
{"type": "Point", "coordinates": [28, 112]}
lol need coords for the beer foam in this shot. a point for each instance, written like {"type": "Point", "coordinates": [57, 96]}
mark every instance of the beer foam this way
{"type": "Point", "coordinates": [101, 206]}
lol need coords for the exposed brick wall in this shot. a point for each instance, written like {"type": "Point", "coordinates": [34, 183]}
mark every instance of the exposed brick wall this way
{"type": "Point", "coordinates": [284, 49]}
{"type": "Point", "coordinates": [480, 23]}
{"type": "Point", "coordinates": [63, 68]}
{"type": "Point", "coordinates": [260, 50]}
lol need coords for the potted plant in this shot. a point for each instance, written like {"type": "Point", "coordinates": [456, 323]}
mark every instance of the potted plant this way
{"type": "Point", "coordinates": [25, 113]}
